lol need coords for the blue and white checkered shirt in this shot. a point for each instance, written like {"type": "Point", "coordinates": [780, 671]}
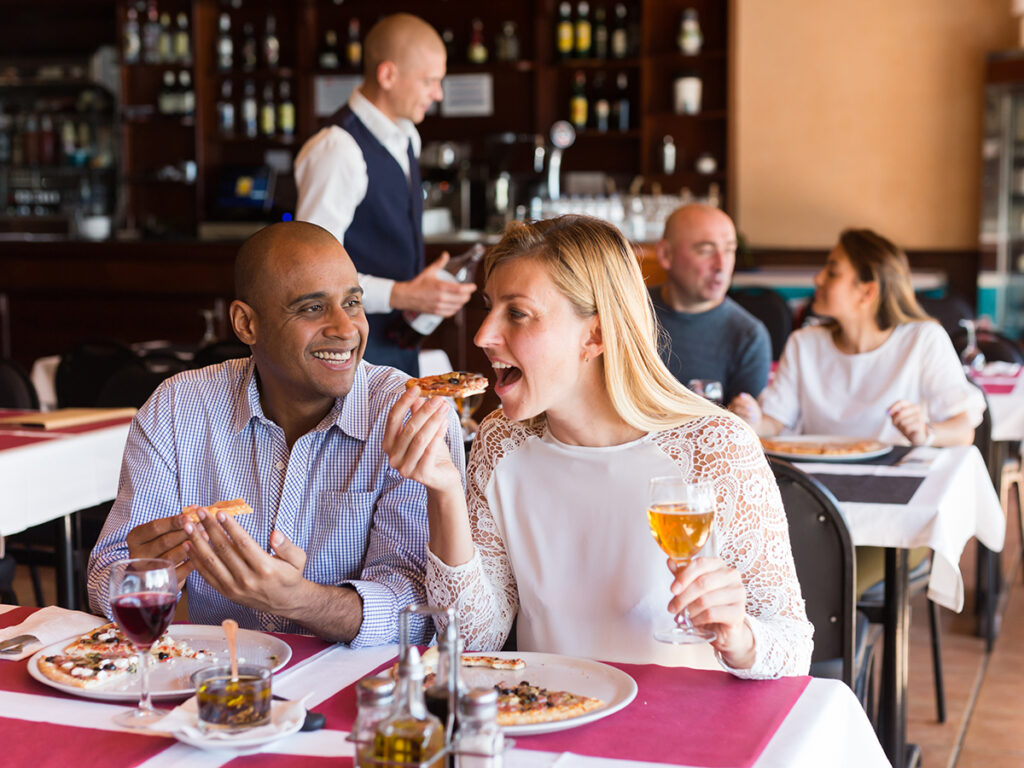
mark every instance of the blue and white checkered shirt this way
{"type": "Point", "coordinates": [202, 437]}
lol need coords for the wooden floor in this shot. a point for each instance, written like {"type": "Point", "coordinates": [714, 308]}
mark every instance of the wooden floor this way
{"type": "Point", "coordinates": [984, 699]}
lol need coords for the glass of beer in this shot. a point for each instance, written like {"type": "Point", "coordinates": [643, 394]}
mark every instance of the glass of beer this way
{"type": "Point", "coordinates": [681, 517]}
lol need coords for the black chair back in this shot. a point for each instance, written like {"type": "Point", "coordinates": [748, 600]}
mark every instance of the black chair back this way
{"type": "Point", "coordinates": [16, 388]}
{"type": "Point", "coordinates": [219, 351]}
{"type": "Point", "coordinates": [85, 368]}
{"type": "Point", "coordinates": [824, 558]}
{"type": "Point", "coordinates": [771, 308]}
{"type": "Point", "coordinates": [948, 310]}
{"type": "Point", "coordinates": [133, 383]}
{"type": "Point", "coordinates": [993, 345]}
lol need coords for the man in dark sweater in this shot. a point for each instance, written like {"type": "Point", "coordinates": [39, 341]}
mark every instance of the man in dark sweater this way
{"type": "Point", "coordinates": [359, 179]}
{"type": "Point", "coordinates": [710, 336]}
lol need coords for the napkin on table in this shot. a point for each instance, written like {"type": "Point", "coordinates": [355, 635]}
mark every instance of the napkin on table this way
{"type": "Point", "coordinates": [284, 715]}
{"type": "Point", "coordinates": [50, 625]}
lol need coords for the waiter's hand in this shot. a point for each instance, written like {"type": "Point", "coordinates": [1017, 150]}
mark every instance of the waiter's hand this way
{"type": "Point", "coordinates": [431, 294]}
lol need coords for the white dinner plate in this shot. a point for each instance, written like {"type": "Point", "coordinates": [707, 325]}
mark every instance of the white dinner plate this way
{"type": "Point", "coordinates": [170, 679]}
{"type": "Point", "coordinates": [583, 677]}
{"type": "Point", "coordinates": [797, 440]}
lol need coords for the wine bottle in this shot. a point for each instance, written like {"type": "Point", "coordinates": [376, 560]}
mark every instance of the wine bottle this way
{"type": "Point", "coordinates": [620, 35]}
{"type": "Point", "coordinates": [600, 33]}
{"type": "Point", "coordinates": [268, 111]}
{"type": "Point", "coordinates": [584, 38]}
{"type": "Point", "coordinates": [578, 101]}
{"type": "Point", "coordinates": [286, 111]}
{"type": "Point", "coordinates": [151, 34]}
{"type": "Point", "coordinates": [226, 110]}
{"type": "Point", "coordinates": [565, 34]}
{"type": "Point", "coordinates": [132, 37]}
{"type": "Point", "coordinates": [271, 44]}
{"type": "Point", "coordinates": [620, 108]}
{"type": "Point", "coordinates": [477, 51]}
{"type": "Point", "coordinates": [249, 57]}
{"type": "Point", "coordinates": [182, 41]}
{"type": "Point", "coordinates": [186, 94]}
{"type": "Point", "coordinates": [328, 56]}
{"type": "Point", "coordinates": [249, 110]}
{"type": "Point", "coordinates": [165, 40]}
{"type": "Point", "coordinates": [690, 38]}
{"type": "Point", "coordinates": [225, 45]}
{"type": "Point", "coordinates": [418, 325]}
{"type": "Point", "coordinates": [354, 47]}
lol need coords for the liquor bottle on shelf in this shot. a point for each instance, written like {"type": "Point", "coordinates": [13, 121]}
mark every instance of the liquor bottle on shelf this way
{"type": "Point", "coordinates": [151, 34]}
{"type": "Point", "coordinates": [578, 101]}
{"type": "Point", "coordinates": [186, 94]}
{"type": "Point", "coordinates": [167, 102]}
{"type": "Point", "coordinates": [327, 58]}
{"type": "Point", "coordinates": [448, 38]}
{"type": "Point", "coordinates": [477, 50]}
{"type": "Point", "coordinates": [249, 57]}
{"type": "Point", "coordinates": [268, 111]}
{"type": "Point", "coordinates": [67, 143]}
{"type": "Point", "coordinates": [285, 111]}
{"type": "Point", "coordinates": [5, 137]}
{"type": "Point", "coordinates": [506, 47]}
{"type": "Point", "coordinates": [271, 44]}
{"type": "Point", "coordinates": [354, 46]}
{"type": "Point", "coordinates": [132, 45]}
{"type": "Point", "coordinates": [225, 45]}
{"type": "Point", "coordinates": [620, 109]}
{"type": "Point", "coordinates": [250, 110]}
{"type": "Point", "coordinates": [668, 155]}
{"type": "Point", "coordinates": [417, 325]}
{"type": "Point", "coordinates": [182, 41]}
{"type": "Point", "coordinates": [225, 110]}
{"type": "Point", "coordinates": [565, 35]}
{"type": "Point", "coordinates": [600, 33]}
{"type": "Point", "coordinates": [47, 140]}
{"type": "Point", "coordinates": [31, 140]}
{"type": "Point", "coordinates": [165, 40]}
{"type": "Point", "coordinates": [690, 38]}
{"type": "Point", "coordinates": [583, 38]}
{"type": "Point", "coordinates": [620, 34]}
{"type": "Point", "coordinates": [599, 96]}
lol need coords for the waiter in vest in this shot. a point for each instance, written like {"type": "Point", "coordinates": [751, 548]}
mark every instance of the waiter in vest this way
{"type": "Point", "coordinates": [359, 178]}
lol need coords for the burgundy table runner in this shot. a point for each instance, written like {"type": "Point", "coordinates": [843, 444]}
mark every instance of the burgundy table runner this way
{"type": "Point", "coordinates": [16, 435]}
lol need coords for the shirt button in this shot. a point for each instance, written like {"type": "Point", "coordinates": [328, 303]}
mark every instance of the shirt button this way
{"type": "Point", "coordinates": [279, 465]}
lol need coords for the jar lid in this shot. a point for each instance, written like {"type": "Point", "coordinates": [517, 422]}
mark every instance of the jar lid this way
{"type": "Point", "coordinates": [479, 703]}
{"type": "Point", "coordinates": [375, 688]}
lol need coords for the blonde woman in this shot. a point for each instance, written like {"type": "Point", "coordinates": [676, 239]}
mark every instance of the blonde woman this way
{"type": "Point", "coordinates": [554, 531]}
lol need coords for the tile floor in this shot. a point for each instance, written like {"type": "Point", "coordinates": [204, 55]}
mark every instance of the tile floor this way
{"type": "Point", "coordinates": [985, 716]}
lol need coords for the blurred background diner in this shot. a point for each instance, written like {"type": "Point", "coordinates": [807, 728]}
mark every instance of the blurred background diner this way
{"type": "Point", "coordinates": [141, 141]}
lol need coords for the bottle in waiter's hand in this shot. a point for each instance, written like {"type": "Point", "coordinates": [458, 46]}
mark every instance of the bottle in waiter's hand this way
{"type": "Point", "coordinates": [414, 327]}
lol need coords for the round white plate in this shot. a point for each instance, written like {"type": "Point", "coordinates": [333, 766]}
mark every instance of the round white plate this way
{"type": "Point", "coordinates": [170, 679]}
{"type": "Point", "coordinates": [279, 727]}
{"type": "Point", "coordinates": [583, 677]}
{"type": "Point", "coordinates": [796, 440]}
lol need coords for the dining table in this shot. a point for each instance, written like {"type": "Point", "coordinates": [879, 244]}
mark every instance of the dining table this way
{"type": "Point", "coordinates": [49, 474]}
{"type": "Point", "coordinates": [940, 498]}
{"type": "Point", "coordinates": [678, 716]}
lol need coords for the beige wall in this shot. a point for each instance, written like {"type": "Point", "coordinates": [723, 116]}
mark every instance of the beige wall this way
{"type": "Point", "coordinates": [863, 113]}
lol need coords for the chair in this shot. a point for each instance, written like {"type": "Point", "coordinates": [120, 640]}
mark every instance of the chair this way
{"type": "Point", "coordinates": [85, 368]}
{"type": "Point", "coordinates": [771, 308]}
{"type": "Point", "coordinates": [135, 381]}
{"type": "Point", "coordinates": [16, 388]}
{"type": "Point", "coordinates": [823, 554]}
{"type": "Point", "coordinates": [993, 345]}
{"type": "Point", "coordinates": [219, 351]}
{"type": "Point", "coordinates": [948, 310]}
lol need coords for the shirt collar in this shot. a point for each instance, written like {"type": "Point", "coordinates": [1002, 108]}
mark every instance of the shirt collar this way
{"type": "Point", "coordinates": [350, 413]}
{"type": "Point", "coordinates": [399, 132]}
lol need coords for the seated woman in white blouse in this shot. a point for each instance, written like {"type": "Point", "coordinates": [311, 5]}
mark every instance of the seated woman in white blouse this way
{"type": "Point", "coordinates": [554, 530]}
{"type": "Point", "coordinates": [879, 368]}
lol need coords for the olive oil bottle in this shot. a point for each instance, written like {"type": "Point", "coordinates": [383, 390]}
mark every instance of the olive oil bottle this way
{"type": "Point", "coordinates": [410, 734]}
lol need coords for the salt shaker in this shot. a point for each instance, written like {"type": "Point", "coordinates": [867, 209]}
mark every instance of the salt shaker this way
{"type": "Point", "coordinates": [374, 698]}
{"type": "Point", "coordinates": [479, 742]}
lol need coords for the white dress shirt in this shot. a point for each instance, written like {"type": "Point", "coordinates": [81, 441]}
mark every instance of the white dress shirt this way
{"type": "Point", "coordinates": [331, 176]}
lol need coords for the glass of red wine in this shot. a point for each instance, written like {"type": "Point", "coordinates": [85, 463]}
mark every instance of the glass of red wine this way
{"type": "Point", "coordinates": [143, 593]}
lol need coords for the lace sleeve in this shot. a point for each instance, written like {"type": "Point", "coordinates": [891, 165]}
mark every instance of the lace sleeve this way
{"type": "Point", "coordinates": [753, 537]}
{"type": "Point", "coordinates": [483, 592]}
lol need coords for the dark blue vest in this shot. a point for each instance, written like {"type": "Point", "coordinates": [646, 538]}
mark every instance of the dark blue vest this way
{"type": "Point", "coordinates": [385, 237]}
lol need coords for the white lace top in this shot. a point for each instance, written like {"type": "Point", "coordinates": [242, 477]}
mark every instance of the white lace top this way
{"type": "Point", "coordinates": [562, 540]}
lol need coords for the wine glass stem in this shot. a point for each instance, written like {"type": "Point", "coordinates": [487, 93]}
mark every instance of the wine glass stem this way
{"type": "Point", "coordinates": [683, 617]}
{"type": "Point", "coordinates": [145, 705]}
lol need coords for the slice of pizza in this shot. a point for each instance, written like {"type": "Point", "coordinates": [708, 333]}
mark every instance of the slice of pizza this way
{"type": "Point", "coordinates": [233, 507]}
{"type": "Point", "coordinates": [454, 384]}
{"type": "Point", "coordinates": [493, 662]}
{"type": "Point", "coordinates": [526, 704]}
{"type": "Point", "coordinates": [89, 671]}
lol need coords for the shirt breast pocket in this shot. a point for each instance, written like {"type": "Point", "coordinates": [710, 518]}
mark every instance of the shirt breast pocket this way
{"type": "Point", "coordinates": [341, 527]}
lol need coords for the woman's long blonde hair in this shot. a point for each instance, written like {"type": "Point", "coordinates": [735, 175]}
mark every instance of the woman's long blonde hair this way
{"type": "Point", "coordinates": [875, 258]}
{"type": "Point", "coordinates": [595, 267]}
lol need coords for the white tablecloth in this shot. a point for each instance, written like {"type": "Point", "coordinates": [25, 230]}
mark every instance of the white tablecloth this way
{"type": "Point", "coordinates": [58, 475]}
{"type": "Point", "coordinates": [955, 502]}
{"type": "Point", "coordinates": [1008, 413]}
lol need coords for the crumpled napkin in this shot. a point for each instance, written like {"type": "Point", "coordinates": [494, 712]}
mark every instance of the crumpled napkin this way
{"type": "Point", "coordinates": [1001, 368]}
{"type": "Point", "coordinates": [50, 625]}
{"type": "Point", "coordinates": [285, 716]}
